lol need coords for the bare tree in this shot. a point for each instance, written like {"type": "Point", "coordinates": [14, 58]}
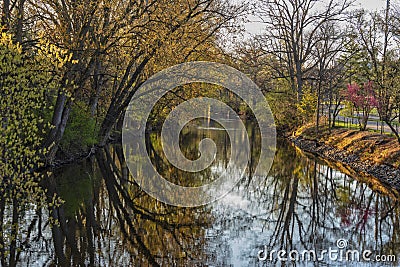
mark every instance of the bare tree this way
{"type": "Point", "coordinates": [328, 71]}
{"type": "Point", "coordinates": [292, 34]}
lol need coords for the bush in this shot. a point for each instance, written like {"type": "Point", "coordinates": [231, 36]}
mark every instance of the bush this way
{"type": "Point", "coordinates": [81, 131]}
{"type": "Point", "coordinates": [284, 110]}
{"type": "Point", "coordinates": [308, 106]}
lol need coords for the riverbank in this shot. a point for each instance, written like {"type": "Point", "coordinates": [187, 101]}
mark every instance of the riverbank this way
{"type": "Point", "coordinates": [361, 152]}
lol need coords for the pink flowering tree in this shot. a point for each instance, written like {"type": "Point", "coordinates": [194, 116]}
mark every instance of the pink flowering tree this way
{"type": "Point", "coordinates": [363, 99]}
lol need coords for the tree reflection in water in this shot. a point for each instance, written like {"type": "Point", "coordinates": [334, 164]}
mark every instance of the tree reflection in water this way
{"type": "Point", "coordinates": [107, 220]}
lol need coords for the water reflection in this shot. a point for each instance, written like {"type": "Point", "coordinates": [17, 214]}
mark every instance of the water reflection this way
{"type": "Point", "coordinates": [303, 204]}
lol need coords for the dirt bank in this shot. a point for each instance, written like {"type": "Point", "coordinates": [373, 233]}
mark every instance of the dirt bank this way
{"type": "Point", "coordinates": [362, 152]}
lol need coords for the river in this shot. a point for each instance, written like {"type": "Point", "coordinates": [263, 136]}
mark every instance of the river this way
{"type": "Point", "coordinates": [303, 205]}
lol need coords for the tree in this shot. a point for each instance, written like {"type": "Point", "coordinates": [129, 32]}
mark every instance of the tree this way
{"type": "Point", "coordinates": [335, 80]}
{"type": "Point", "coordinates": [363, 99]}
{"type": "Point", "coordinates": [119, 45]}
{"type": "Point", "coordinates": [25, 79]}
{"type": "Point", "coordinates": [263, 69]}
{"type": "Point", "coordinates": [328, 73]}
{"type": "Point", "coordinates": [308, 105]}
{"type": "Point", "coordinates": [375, 36]}
{"type": "Point", "coordinates": [292, 34]}
{"type": "Point", "coordinates": [186, 31]}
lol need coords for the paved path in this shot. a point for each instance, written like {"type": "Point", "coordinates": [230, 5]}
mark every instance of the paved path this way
{"type": "Point", "coordinates": [371, 125]}
{"type": "Point", "coordinates": [373, 122]}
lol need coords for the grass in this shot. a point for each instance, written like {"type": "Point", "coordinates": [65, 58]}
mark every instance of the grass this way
{"type": "Point", "coordinates": [353, 126]}
{"type": "Point", "coordinates": [346, 125]}
{"type": "Point", "coordinates": [373, 120]}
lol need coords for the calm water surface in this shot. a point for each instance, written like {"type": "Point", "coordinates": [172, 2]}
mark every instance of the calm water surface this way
{"type": "Point", "coordinates": [303, 204]}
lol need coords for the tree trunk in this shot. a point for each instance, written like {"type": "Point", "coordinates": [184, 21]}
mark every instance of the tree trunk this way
{"type": "Point", "coordinates": [97, 87]}
{"type": "Point", "coordinates": [14, 233]}
{"type": "Point", "coordinates": [396, 133]}
{"type": "Point", "coordinates": [59, 122]}
{"type": "Point", "coordinates": [2, 251]}
{"type": "Point", "coordinates": [364, 122]}
{"type": "Point", "coordinates": [299, 77]}
{"type": "Point", "coordinates": [57, 117]}
{"type": "Point", "coordinates": [335, 113]}
{"type": "Point", "coordinates": [318, 110]}
{"type": "Point", "coordinates": [20, 20]}
{"type": "Point", "coordinates": [5, 18]}
{"type": "Point", "coordinates": [106, 127]}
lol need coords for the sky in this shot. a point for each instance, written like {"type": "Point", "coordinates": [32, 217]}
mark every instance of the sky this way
{"type": "Point", "coordinates": [256, 27]}
{"type": "Point", "coordinates": [372, 4]}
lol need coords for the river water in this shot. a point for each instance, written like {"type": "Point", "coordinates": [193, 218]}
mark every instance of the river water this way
{"type": "Point", "coordinates": [304, 205]}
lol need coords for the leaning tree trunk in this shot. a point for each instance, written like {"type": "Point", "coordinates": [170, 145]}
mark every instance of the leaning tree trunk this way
{"type": "Point", "coordinates": [396, 133]}
{"type": "Point", "coordinates": [60, 119]}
